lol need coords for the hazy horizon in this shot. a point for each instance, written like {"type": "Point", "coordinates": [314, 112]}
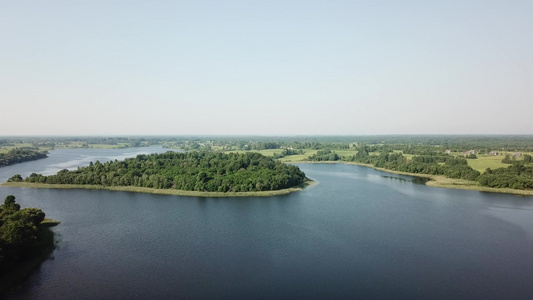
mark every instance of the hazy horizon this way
{"type": "Point", "coordinates": [269, 68]}
{"type": "Point", "coordinates": [259, 135]}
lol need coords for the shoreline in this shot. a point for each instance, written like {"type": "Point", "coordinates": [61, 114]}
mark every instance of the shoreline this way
{"type": "Point", "coordinates": [136, 189]}
{"type": "Point", "coordinates": [438, 181]}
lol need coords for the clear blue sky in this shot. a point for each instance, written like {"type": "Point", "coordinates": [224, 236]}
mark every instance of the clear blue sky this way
{"type": "Point", "coordinates": [266, 67]}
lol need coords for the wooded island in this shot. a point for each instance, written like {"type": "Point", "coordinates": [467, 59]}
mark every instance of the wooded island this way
{"type": "Point", "coordinates": [191, 171]}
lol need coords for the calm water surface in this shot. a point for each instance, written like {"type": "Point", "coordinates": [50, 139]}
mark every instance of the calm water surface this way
{"type": "Point", "coordinates": [358, 233]}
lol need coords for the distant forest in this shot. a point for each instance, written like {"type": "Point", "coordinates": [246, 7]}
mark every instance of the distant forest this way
{"type": "Point", "coordinates": [456, 143]}
{"type": "Point", "coordinates": [447, 155]}
{"type": "Point", "coordinates": [17, 155]}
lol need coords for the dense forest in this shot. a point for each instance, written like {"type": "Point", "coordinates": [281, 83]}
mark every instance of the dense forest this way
{"type": "Point", "coordinates": [20, 233]}
{"type": "Point", "coordinates": [430, 163]}
{"type": "Point", "coordinates": [19, 155]}
{"type": "Point", "coordinates": [191, 171]}
{"type": "Point", "coordinates": [517, 176]}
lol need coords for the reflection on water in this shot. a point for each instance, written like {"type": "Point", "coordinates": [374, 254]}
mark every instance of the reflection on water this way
{"type": "Point", "coordinates": [417, 180]}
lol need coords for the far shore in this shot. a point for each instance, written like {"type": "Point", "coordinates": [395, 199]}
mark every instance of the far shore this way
{"type": "Point", "coordinates": [434, 180]}
{"type": "Point", "coordinates": [136, 189]}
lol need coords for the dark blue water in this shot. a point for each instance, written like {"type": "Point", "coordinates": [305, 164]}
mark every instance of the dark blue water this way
{"type": "Point", "coordinates": [358, 233]}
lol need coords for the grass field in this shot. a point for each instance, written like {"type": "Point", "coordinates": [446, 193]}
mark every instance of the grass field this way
{"type": "Point", "coordinates": [487, 161]}
{"type": "Point", "coordinates": [345, 152]}
{"type": "Point", "coordinates": [266, 152]}
{"type": "Point", "coordinates": [299, 157]}
{"type": "Point", "coordinates": [74, 145]}
{"type": "Point", "coordinates": [290, 158]}
{"type": "Point", "coordinates": [104, 146]}
{"type": "Point", "coordinates": [408, 156]}
{"type": "Point", "coordinates": [6, 149]}
{"type": "Point", "coordinates": [482, 162]}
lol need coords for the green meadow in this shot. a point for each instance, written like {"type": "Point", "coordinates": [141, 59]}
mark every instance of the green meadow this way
{"type": "Point", "coordinates": [6, 149]}
{"type": "Point", "coordinates": [482, 162]}
{"type": "Point", "coordinates": [298, 157]}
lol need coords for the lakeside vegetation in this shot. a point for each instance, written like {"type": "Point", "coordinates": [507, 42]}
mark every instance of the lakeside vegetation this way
{"type": "Point", "coordinates": [25, 241]}
{"type": "Point", "coordinates": [446, 182]}
{"type": "Point", "coordinates": [490, 161]}
{"type": "Point", "coordinates": [480, 169]}
{"type": "Point", "coordinates": [19, 155]}
{"type": "Point", "coordinates": [519, 175]}
{"type": "Point", "coordinates": [51, 143]}
{"type": "Point", "coordinates": [191, 171]}
{"type": "Point", "coordinates": [136, 189]}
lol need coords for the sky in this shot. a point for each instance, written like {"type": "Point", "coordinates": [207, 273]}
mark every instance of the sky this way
{"type": "Point", "coordinates": [265, 67]}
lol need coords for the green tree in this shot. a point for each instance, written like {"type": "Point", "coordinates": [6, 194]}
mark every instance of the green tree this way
{"type": "Point", "coordinates": [19, 232]}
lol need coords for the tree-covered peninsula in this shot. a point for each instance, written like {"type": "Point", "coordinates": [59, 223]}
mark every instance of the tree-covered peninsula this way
{"type": "Point", "coordinates": [191, 171]}
{"type": "Point", "coordinates": [18, 155]}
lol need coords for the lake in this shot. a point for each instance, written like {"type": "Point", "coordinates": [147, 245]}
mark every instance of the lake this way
{"type": "Point", "coordinates": [357, 233]}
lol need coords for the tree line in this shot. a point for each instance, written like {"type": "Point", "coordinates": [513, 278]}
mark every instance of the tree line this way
{"type": "Point", "coordinates": [519, 175]}
{"type": "Point", "coordinates": [324, 155]}
{"type": "Point", "coordinates": [287, 152]}
{"type": "Point", "coordinates": [456, 143]}
{"type": "Point", "coordinates": [191, 171]}
{"type": "Point", "coordinates": [429, 163]}
{"type": "Point", "coordinates": [18, 155]}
